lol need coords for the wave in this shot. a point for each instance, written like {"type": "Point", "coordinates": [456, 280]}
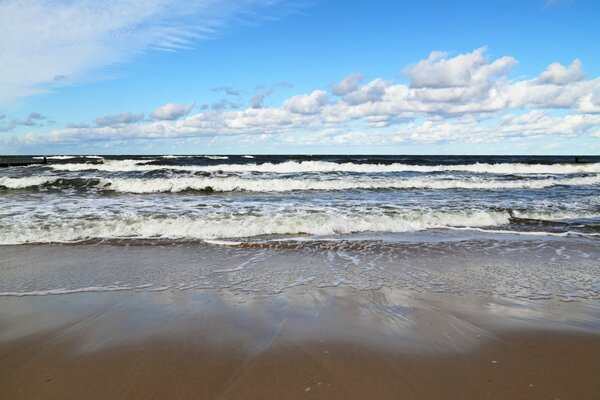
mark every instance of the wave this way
{"type": "Point", "coordinates": [234, 184]}
{"type": "Point", "coordinates": [217, 157]}
{"type": "Point", "coordinates": [242, 226]}
{"type": "Point", "coordinates": [525, 233]}
{"type": "Point", "coordinates": [326, 166]}
{"type": "Point", "coordinates": [66, 157]}
{"type": "Point", "coordinates": [555, 215]}
{"type": "Point", "coordinates": [111, 166]}
{"type": "Point", "coordinates": [27, 182]}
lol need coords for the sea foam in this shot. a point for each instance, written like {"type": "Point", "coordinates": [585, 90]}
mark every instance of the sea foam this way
{"type": "Point", "coordinates": [326, 166]}
{"type": "Point", "coordinates": [233, 184]}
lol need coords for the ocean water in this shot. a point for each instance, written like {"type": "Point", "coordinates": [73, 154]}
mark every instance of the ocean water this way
{"type": "Point", "coordinates": [524, 227]}
{"type": "Point", "coordinates": [247, 197]}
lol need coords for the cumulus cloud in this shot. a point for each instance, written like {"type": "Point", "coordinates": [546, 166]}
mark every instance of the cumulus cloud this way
{"type": "Point", "coordinates": [512, 127]}
{"type": "Point", "coordinates": [49, 43]}
{"type": "Point", "coordinates": [466, 98]}
{"type": "Point", "coordinates": [123, 118]}
{"type": "Point", "coordinates": [590, 103]}
{"type": "Point", "coordinates": [439, 71]}
{"type": "Point", "coordinates": [171, 111]}
{"type": "Point", "coordinates": [558, 74]}
{"type": "Point", "coordinates": [371, 92]}
{"type": "Point", "coordinates": [308, 103]}
{"type": "Point", "coordinates": [348, 84]}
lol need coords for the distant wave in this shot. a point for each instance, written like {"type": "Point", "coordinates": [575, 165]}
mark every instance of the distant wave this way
{"type": "Point", "coordinates": [217, 157]}
{"type": "Point", "coordinates": [65, 157]}
{"type": "Point", "coordinates": [326, 166]}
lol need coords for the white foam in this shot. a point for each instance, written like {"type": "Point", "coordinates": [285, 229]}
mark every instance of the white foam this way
{"type": "Point", "coordinates": [247, 156]}
{"type": "Point", "coordinates": [65, 157]}
{"type": "Point", "coordinates": [111, 288]}
{"type": "Point", "coordinates": [27, 182]}
{"type": "Point", "coordinates": [326, 166]}
{"type": "Point", "coordinates": [554, 215]}
{"type": "Point", "coordinates": [109, 166]}
{"type": "Point", "coordinates": [217, 227]}
{"type": "Point", "coordinates": [217, 157]}
{"type": "Point", "coordinates": [527, 233]}
{"type": "Point", "coordinates": [233, 184]}
{"type": "Point", "coordinates": [223, 242]}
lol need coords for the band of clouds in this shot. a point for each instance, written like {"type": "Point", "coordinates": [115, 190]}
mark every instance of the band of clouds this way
{"type": "Point", "coordinates": [463, 98]}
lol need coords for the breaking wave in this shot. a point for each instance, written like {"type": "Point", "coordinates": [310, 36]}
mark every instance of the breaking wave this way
{"type": "Point", "coordinates": [66, 157]}
{"type": "Point", "coordinates": [28, 182]}
{"type": "Point", "coordinates": [233, 184]}
{"type": "Point", "coordinates": [236, 184]}
{"type": "Point", "coordinates": [240, 226]}
{"type": "Point", "coordinates": [326, 166]}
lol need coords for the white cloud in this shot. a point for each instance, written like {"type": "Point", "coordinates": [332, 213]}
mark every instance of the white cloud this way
{"type": "Point", "coordinates": [371, 92]}
{"type": "Point", "coordinates": [308, 103]}
{"type": "Point", "coordinates": [48, 43]}
{"type": "Point", "coordinates": [558, 74]}
{"type": "Point", "coordinates": [438, 71]}
{"type": "Point", "coordinates": [348, 84]}
{"type": "Point", "coordinates": [590, 103]}
{"type": "Point", "coordinates": [171, 111]}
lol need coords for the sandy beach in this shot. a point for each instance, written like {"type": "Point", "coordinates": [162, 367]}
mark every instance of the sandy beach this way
{"type": "Point", "coordinates": [110, 351]}
{"type": "Point", "coordinates": [303, 342]}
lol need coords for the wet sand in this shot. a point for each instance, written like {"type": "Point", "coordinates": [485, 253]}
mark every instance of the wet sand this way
{"type": "Point", "coordinates": [531, 365]}
{"type": "Point", "coordinates": [330, 343]}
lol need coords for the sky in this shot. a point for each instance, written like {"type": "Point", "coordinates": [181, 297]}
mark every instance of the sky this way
{"type": "Point", "coordinates": [299, 77]}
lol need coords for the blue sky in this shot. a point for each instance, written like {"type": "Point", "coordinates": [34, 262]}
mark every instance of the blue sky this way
{"type": "Point", "coordinates": [268, 76]}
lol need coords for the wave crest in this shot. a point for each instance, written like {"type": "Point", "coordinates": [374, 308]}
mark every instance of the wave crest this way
{"type": "Point", "coordinates": [327, 166]}
{"type": "Point", "coordinates": [233, 184]}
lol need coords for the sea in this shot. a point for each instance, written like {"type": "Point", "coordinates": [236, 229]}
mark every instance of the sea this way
{"type": "Point", "coordinates": [364, 221]}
